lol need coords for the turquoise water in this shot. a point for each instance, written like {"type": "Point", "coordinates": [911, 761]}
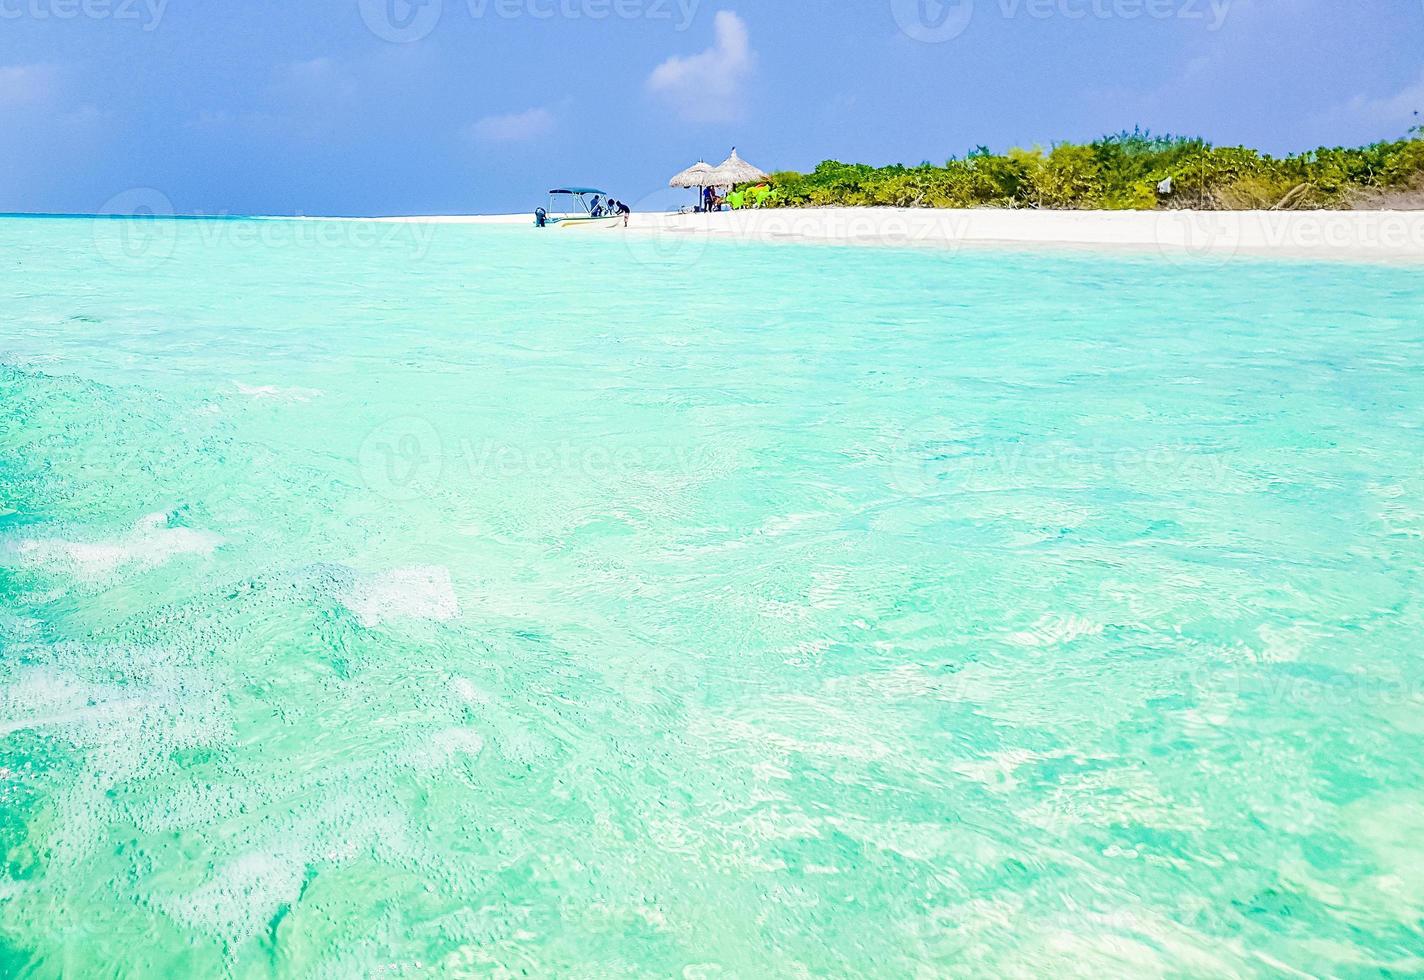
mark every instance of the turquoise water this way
{"type": "Point", "coordinates": [474, 602]}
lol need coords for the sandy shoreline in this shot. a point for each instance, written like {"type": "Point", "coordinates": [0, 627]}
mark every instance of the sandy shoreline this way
{"type": "Point", "coordinates": [1391, 236]}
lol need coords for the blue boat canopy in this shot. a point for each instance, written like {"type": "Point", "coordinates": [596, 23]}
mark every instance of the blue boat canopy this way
{"type": "Point", "coordinates": [577, 190]}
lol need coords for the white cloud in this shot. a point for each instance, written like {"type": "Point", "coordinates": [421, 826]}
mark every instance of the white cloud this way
{"type": "Point", "coordinates": [309, 101]}
{"type": "Point", "coordinates": [221, 120]}
{"type": "Point", "coordinates": [1396, 109]}
{"type": "Point", "coordinates": [707, 87]}
{"type": "Point", "coordinates": [1215, 87]}
{"type": "Point", "coordinates": [22, 85]}
{"type": "Point", "coordinates": [39, 124]}
{"type": "Point", "coordinates": [514, 127]}
{"type": "Point", "coordinates": [319, 84]}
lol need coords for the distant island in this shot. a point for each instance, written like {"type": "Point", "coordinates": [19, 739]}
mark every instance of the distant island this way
{"type": "Point", "coordinates": [1127, 171]}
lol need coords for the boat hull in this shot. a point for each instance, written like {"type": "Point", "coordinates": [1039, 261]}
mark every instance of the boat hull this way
{"type": "Point", "coordinates": [609, 221]}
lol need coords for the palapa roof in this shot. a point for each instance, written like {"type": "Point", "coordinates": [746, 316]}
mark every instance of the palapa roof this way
{"type": "Point", "coordinates": [735, 170]}
{"type": "Point", "coordinates": [693, 176]}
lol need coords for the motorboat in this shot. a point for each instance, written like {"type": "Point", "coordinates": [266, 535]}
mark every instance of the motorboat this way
{"type": "Point", "coordinates": [580, 207]}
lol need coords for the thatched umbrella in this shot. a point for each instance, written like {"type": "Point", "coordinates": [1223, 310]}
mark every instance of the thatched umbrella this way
{"type": "Point", "coordinates": [734, 170]}
{"type": "Point", "coordinates": [693, 176]}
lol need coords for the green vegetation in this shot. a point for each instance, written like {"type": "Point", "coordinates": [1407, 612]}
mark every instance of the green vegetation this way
{"type": "Point", "coordinates": [1124, 172]}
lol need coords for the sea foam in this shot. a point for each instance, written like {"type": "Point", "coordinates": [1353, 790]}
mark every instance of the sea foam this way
{"type": "Point", "coordinates": [274, 393]}
{"type": "Point", "coordinates": [420, 592]}
{"type": "Point", "coordinates": [150, 543]}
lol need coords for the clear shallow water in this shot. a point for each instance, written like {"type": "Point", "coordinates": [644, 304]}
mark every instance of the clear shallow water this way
{"type": "Point", "coordinates": [475, 602]}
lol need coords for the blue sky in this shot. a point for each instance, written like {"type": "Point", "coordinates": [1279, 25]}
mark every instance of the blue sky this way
{"type": "Point", "coordinates": [381, 107]}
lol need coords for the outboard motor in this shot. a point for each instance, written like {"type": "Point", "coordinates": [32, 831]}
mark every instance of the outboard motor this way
{"type": "Point", "coordinates": [541, 217]}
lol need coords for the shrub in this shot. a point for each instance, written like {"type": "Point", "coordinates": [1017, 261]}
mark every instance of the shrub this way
{"type": "Point", "coordinates": [1119, 171]}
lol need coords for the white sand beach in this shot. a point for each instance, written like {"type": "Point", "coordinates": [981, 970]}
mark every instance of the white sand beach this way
{"type": "Point", "coordinates": [1391, 236]}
